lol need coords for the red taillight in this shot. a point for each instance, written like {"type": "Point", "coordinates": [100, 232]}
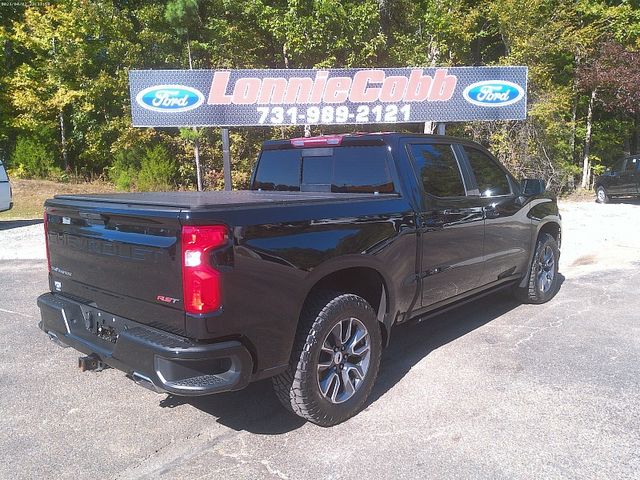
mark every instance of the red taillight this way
{"type": "Point", "coordinates": [46, 240]}
{"type": "Point", "coordinates": [201, 284]}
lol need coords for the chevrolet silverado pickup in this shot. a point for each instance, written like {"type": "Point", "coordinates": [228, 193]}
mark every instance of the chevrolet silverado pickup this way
{"type": "Point", "coordinates": [302, 277]}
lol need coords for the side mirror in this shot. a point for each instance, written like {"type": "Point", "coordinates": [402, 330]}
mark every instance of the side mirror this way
{"type": "Point", "coordinates": [532, 186]}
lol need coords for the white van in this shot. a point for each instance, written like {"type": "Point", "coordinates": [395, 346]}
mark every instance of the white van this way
{"type": "Point", "coordinates": [5, 190]}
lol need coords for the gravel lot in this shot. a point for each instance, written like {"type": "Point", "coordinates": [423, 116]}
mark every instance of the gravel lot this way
{"type": "Point", "coordinates": [491, 390]}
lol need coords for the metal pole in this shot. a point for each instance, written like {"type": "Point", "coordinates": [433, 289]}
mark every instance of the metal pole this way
{"type": "Point", "coordinates": [196, 151]}
{"type": "Point", "coordinates": [226, 158]}
{"type": "Point", "coordinates": [428, 127]}
{"type": "Point", "coordinates": [441, 128]}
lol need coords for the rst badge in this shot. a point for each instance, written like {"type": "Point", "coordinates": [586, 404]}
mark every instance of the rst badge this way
{"type": "Point", "coordinates": [170, 98]}
{"type": "Point", "coordinates": [165, 299]}
{"type": "Point", "coordinates": [493, 93]}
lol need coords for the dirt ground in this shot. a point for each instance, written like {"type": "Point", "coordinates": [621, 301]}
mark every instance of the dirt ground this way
{"type": "Point", "coordinates": [29, 195]}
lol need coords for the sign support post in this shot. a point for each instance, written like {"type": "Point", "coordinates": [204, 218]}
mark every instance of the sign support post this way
{"type": "Point", "coordinates": [226, 158]}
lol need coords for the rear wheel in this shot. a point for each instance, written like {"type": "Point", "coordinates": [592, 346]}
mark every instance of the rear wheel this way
{"type": "Point", "coordinates": [543, 282]}
{"type": "Point", "coordinates": [602, 196]}
{"type": "Point", "coordinates": [335, 360]}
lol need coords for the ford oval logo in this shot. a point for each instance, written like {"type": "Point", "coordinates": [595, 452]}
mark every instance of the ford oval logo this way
{"type": "Point", "coordinates": [170, 98]}
{"type": "Point", "coordinates": [493, 93]}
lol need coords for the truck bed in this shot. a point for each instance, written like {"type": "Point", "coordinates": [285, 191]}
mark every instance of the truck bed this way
{"type": "Point", "coordinates": [211, 200]}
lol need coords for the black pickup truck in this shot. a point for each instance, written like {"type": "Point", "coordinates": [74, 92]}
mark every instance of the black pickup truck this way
{"type": "Point", "coordinates": [300, 278]}
{"type": "Point", "coordinates": [623, 180]}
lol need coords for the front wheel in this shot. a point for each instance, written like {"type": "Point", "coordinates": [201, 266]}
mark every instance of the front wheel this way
{"type": "Point", "coordinates": [335, 360]}
{"type": "Point", "coordinates": [602, 196]}
{"type": "Point", "coordinates": [543, 281]}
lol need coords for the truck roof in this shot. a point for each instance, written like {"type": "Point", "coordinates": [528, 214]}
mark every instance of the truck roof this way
{"type": "Point", "coordinates": [350, 139]}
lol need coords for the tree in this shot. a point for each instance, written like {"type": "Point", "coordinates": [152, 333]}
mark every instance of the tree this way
{"type": "Point", "coordinates": [612, 79]}
{"type": "Point", "coordinates": [72, 78]}
{"type": "Point", "coordinates": [182, 15]}
{"type": "Point", "coordinates": [64, 85]}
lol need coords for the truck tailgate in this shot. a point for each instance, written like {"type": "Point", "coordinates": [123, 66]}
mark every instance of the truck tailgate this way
{"type": "Point", "coordinates": [123, 259]}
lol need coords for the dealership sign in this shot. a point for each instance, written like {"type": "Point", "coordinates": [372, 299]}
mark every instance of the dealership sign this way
{"type": "Point", "coordinates": [177, 98]}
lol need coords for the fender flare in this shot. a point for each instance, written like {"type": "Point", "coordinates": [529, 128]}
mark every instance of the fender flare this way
{"type": "Point", "coordinates": [556, 219]}
{"type": "Point", "coordinates": [385, 311]}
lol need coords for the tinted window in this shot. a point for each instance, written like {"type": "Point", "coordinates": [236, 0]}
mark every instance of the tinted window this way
{"type": "Point", "coordinates": [361, 170]}
{"type": "Point", "coordinates": [278, 170]}
{"type": "Point", "coordinates": [317, 171]}
{"type": "Point", "coordinates": [438, 170]}
{"type": "Point", "coordinates": [631, 165]}
{"type": "Point", "coordinates": [492, 181]}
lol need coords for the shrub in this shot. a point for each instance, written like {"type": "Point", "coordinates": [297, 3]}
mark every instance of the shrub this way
{"type": "Point", "coordinates": [157, 170]}
{"type": "Point", "coordinates": [32, 158]}
{"type": "Point", "coordinates": [145, 170]}
{"type": "Point", "coordinates": [124, 171]}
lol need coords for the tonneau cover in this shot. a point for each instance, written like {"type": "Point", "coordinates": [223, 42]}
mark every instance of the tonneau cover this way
{"type": "Point", "coordinates": [202, 200]}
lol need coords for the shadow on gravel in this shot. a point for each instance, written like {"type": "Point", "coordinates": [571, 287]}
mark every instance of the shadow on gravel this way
{"type": "Point", "coordinates": [628, 201]}
{"type": "Point", "coordinates": [9, 224]}
{"type": "Point", "coordinates": [254, 409]}
{"type": "Point", "coordinates": [257, 410]}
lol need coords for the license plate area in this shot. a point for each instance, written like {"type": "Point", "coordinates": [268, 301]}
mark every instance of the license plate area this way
{"type": "Point", "coordinates": [102, 324]}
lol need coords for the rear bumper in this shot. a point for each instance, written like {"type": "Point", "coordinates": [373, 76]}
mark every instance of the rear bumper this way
{"type": "Point", "coordinates": [152, 357]}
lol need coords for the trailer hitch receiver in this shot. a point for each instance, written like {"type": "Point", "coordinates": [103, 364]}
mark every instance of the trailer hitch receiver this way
{"type": "Point", "coordinates": [91, 362]}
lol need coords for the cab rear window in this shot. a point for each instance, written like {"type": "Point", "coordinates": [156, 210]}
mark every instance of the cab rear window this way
{"type": "Point", "coordinates": [278, 170]}
{"type": "Point", "coordinates": [357, 169]}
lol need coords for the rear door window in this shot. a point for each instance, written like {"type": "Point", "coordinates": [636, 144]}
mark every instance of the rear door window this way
{"type": "Point", "coordinates": [438, 170]}
{"type": "Point", "coordinates": [632, 165]}
{"type": "Point", "coordinates": [361, 170]}
{"type": "Point", "coordinates": [618, 166]}
{"type": "Point", "coordinates": [3, 174]}
{"type": "Point", "coordinates": [491, 179]}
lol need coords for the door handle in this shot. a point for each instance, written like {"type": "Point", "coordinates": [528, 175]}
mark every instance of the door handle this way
{"type": "Point", "coordinates": [491, 212]}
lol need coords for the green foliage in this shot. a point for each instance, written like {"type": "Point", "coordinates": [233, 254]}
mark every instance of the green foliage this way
{"type": "Point", "coordinates": [64, 74]}
{"type": "Point", "coordinates": [157, 170]}
{"type": "Point", "coordinates": [32, 158]}
{"type": "Point", "coordinates": [146, 169]}
{"type": "Point", "coordinates": [182, 15]}
{"type": "Point", "coordinates": [124, 170]}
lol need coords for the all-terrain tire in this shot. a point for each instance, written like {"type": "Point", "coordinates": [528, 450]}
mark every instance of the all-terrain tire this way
{"type": "Point", "coordinates": [602, 196]}
{"type": "Point", "coordinates": [538, 289]}
{"type": "Point", "coordinates": [298, 388]}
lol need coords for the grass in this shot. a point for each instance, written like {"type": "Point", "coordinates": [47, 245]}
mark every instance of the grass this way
{"type": "Point", "coordinates": [579, 195]}
{"type": "Point", "coordinates": [29, 195]}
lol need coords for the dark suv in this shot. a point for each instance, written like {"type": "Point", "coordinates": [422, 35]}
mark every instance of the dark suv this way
{"type": "Point", "coordinates": [623, 180]}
